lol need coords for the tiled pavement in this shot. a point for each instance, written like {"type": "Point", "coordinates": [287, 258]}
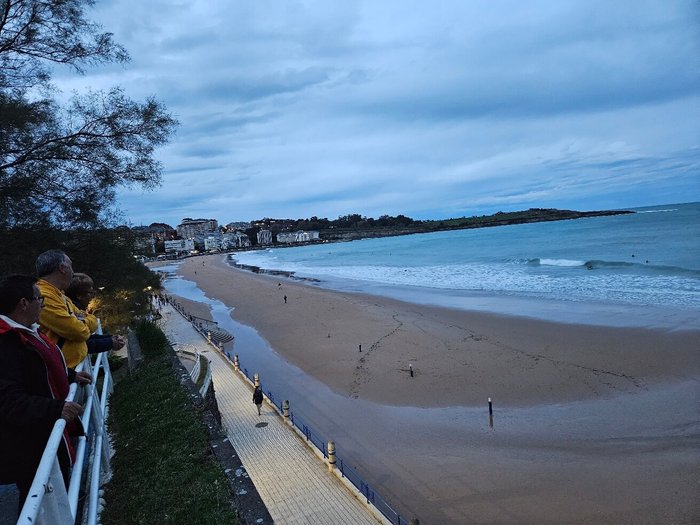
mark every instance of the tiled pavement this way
{"type": "Point", "coordinates": [292, 480]}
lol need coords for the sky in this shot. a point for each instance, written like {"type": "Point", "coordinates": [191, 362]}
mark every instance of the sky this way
{"type": "Point", "coordinates": [430, 109]}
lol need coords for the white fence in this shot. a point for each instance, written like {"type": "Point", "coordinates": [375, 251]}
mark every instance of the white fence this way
{"type": "Point", "coordinates": [48, 501]}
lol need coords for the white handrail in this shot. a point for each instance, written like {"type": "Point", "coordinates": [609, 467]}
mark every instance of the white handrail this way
{"type": "Point", "coordinates": [48, 500]}
{"type": "Point", "coordinates": [196, 369]}
{"type": "Point", "coordinates": [207, 380]}
{"type": "Point", "coordinates": [194, 374]}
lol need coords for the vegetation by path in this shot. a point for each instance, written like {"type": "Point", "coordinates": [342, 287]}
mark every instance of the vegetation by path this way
{"type": "Point", "coordinates": [164, 471]}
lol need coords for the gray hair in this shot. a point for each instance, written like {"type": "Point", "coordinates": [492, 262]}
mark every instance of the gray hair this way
{"type": "Point", "coordinates": [49, 261]}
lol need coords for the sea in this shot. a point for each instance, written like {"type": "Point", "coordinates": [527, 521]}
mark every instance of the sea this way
{"type": "Point", "coordinates": [639, 269]}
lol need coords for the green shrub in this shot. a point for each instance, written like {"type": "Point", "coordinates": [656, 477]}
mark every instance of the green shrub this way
{"type": "Point", "coordinates": [163, 468]}
{"type": "Point", "coordinates": [152, 339]}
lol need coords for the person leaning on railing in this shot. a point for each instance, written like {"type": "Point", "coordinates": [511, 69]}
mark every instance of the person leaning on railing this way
{"type": "Point", "coordinates": [59, 319]}
{"type": "Point", "coordinates": [80, 292]}
{"type": "Point", "coordinates": [63, 322]}
{"type": "Point", "coordinates": [34, 383]}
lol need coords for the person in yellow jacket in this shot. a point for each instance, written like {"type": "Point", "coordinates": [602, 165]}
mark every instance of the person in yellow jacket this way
{"type": "Point", "coordinates": [60, 320]}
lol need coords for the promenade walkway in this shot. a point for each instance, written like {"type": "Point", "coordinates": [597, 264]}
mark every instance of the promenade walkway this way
{"type": "Point", "coordinates": [292, 481]}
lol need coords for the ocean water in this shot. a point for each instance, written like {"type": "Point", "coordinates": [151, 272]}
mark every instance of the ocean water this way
{"type": "Point", "coordinates": [638, 269]}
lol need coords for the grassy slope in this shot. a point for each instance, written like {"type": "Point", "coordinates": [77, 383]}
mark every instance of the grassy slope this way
{"type": "Point", "coordinates": [163, 468]}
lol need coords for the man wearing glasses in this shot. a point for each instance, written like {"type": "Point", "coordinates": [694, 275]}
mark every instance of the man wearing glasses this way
{"type": "Point", "coordinates": [33, 387]}
{"type": "Point", "coordinates": [59, 318]}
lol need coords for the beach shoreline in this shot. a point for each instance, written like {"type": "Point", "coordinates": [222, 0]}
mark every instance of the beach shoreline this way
{"type": "Point", "coordinates": [591, 424]}
{"type": "Point", "coordinates": [458, 357]}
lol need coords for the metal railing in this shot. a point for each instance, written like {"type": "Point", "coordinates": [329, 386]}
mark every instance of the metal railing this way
{"type": "Point", "coordinates": [197, 369]}
{"type": "Point", "coordinates": [346, 471]}
{"type": "Point", "coordinates": [48, 500]}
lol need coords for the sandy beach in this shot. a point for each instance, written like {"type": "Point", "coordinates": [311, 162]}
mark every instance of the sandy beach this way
{"type": "Point", "coordinates": [613, 461]}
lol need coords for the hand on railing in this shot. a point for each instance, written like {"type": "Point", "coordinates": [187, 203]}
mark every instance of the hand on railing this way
{"type": "Point", "coordinates": [71, 411]}
{"type": "Point", "coordinates": [117, 342]}
{"type": "Point", "coordinates": [83, 378]}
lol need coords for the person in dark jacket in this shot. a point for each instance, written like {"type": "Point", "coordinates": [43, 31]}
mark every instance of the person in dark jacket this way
{"type": "Point", "coordinates": [258, 398]}
{"type": "Point", "coordinates": [33, 387]}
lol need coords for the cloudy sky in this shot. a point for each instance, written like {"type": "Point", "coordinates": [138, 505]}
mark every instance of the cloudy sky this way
{"type": "Point", "coordinates": [432, 109]}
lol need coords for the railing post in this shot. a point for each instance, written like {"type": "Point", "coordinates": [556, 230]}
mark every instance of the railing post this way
{"type": "Point", "coordinates": [285, 409]}
{"type": "Point", "coordinates": [331, 455]}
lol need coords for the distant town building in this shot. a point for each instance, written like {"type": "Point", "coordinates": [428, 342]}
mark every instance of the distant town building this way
{"type": "Point", "coordinates": [190, 228]}
{"type": "Point", "coordinates": [264, 237]}
{"type": "Point", "coordinates": [235, 239]}
{"type": "Point", "coordinates": [179, 246]}
{"type": "Point", "coordinates": [299, 236]}
{"type": "Point", "coordinates": [225, 241]}
{"type": "Point", "coordinates": [212, 243]}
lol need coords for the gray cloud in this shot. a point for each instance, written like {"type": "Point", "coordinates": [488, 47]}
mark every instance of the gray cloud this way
{"type": "Point", "coordinates": [432, 110]}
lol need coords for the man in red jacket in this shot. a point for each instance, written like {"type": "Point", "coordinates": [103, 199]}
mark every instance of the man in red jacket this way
{"type": "Point", "coordinates": [33, 387]}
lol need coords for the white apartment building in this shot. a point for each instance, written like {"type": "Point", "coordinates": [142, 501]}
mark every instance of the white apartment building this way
{"type": "Point", "coordinates": [236, 240]}
{"type": "Point", "coordinates": [212, 243]}
{"type": "Point", "coordinates": [299, 236]}
{"type": "Point", "coordinates": [179, 246]}
{"type": "Point", "coordinates": [264, 237]}
{"type": "Point", "coordinates": [226, 241]}
{"type": "Point", "coordinates": [190, 228]}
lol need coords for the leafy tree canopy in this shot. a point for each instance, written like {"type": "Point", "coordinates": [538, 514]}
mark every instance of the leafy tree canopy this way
{"type": "Point", "coordinates": [60, 164]}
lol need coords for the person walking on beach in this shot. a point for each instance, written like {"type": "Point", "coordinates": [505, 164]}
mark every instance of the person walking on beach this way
{"type": "Point", "coordinates": [258, 398]}
{"type": "Point", "coordinates": [285, 299]}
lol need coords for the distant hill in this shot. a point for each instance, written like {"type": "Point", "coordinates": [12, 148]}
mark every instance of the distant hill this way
{"type": "Point", "coordinates": [354, 226]}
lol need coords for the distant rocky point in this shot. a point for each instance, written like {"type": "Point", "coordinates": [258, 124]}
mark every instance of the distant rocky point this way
{"type": "Point", "coordinates": [363, 231]}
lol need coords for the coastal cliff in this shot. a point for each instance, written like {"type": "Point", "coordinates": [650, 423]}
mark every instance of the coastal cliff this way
{"type": "Point", "coordinates": [484, 221]}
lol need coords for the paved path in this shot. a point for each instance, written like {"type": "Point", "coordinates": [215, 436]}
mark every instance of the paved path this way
{"type": "Point", "coordinates": [292, 481]}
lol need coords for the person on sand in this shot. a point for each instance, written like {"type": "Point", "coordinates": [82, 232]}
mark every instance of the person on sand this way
{"type": "Point", "coordinates": [258, 398]}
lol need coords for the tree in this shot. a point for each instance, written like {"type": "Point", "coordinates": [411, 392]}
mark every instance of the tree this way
{"type": "Point", "coordinates": [61, 164]}
{"type": "Point", "coordinates": [104, 254]}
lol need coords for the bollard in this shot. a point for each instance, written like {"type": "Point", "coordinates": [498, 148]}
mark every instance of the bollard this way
{"type": "Point", "coordinates": [331, 455]}
{"type": "Point", "coordinates": [490, 407]}
{"type": "Point", "coordinates": [236, 364]}
{"type": "Point", "coordinates": [256, 379]}
{"type": "Point", "coordinates": [285, 408]}
{"type": "Point", "coordinates": [410, 369]}
{"type": "Point", "coordinates": [360, 348]}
